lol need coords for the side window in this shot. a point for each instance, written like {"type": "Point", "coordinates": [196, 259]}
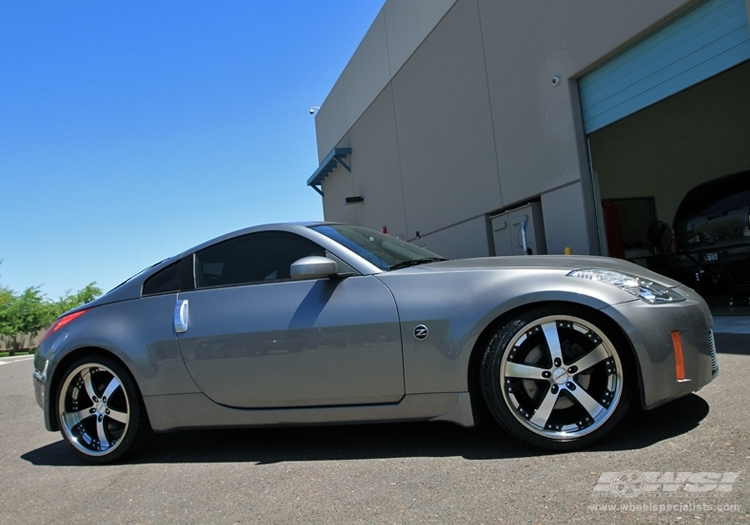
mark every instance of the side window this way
{"type": "Point", "coordinates": [253, 258]}
{"type": "Point", "coordinates": [176, 277]}
{"type": "Point", "coordinates": [167, 280]}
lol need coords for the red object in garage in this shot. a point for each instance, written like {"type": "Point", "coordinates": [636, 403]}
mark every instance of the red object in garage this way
{"type": "Point", "coordinates": [612, 229]}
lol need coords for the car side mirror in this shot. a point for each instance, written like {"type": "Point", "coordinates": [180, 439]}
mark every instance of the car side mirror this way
{"type": "Point", "coordinates": [313, 267]}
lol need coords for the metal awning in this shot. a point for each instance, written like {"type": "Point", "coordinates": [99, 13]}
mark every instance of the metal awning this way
{"type": "Point", "coordinates": [330, 163]}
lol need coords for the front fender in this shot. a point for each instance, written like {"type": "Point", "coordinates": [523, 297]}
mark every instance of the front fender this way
{"type": "Point", "coordinates": [458, 307]}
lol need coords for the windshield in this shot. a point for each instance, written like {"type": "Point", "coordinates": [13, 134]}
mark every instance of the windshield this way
{"type": "Point", "coordinates": [384, 251]}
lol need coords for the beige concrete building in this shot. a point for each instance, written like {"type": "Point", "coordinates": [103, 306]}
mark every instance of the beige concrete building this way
{"type": "Point", "coordinates": [456, 120]}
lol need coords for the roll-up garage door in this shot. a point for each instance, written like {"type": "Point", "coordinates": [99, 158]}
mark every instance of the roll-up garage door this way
{"type": "Point", "coordinates": [710, 38]}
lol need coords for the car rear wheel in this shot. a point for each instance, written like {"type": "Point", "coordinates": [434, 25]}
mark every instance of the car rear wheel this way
{"type": "Point", "coordinates": [557, 377]}
{"type": "Point", "coordinates": [100, 411]}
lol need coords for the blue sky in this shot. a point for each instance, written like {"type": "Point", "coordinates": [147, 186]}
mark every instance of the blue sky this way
{"type": "Point", "coordinates": [132, 130]}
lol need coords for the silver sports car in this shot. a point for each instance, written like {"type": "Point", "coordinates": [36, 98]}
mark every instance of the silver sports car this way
{"type": "Point", "coordinates": [322, 323]}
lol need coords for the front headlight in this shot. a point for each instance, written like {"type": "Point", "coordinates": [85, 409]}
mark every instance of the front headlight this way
{"type": "Point", "coordinates": [648, 291]}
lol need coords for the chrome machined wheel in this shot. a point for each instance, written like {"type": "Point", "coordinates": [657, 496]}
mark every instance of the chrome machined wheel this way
{"type": "Point", "coordinates": [555, 378]}
{"type": "Point", "coordinates": [100, 412]}
{"type": "Point", "coordinates": [94, 409]}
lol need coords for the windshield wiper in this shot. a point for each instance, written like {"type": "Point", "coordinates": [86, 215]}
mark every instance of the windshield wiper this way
{"type": "Point", "coordinates": [415, 262]}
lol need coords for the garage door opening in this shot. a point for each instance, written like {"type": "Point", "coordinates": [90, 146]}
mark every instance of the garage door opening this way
{"type": "Point", "coordinates": [659, 153]}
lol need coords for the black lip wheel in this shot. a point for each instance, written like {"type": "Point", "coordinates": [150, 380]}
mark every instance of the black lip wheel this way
{"type": "Point", "coordinates": [99, 410]}
{"type": "Point", "coordinates": [557, 377]}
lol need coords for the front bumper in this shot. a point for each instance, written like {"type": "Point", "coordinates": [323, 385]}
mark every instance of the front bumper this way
{"type": "Point", "coordinates": [650, 328]}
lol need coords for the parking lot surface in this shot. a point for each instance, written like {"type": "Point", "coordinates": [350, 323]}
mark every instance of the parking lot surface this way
{"type": "Point", "coordinates": [685, 462]}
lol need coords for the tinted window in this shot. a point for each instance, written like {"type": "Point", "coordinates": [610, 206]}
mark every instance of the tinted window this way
{"type": "Point", "coordinates": [254, 258]}
{"type": "Point", "coordinates": [165, 281]}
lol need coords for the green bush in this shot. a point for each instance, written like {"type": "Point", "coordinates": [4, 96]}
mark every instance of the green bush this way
{"type": "Point", "coordinates": [24, 315]}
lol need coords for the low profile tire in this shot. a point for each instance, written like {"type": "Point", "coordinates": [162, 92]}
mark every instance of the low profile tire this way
{"type": "Point", "coordinates": [100, 412]}
{"type": "Point", "coordinates": [557, 377]}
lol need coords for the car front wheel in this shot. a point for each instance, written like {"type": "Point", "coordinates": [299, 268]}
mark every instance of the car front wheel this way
{"type": "Point", "coordinates": [557, 377]}
{"type": "Point", "coordinates": [100, 412]}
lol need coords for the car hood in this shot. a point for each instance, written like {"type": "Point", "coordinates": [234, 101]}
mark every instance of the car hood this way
{"type": "Point", "coordinates": [548, 262]}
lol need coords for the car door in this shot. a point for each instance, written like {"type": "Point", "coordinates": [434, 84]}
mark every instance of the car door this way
{"type": "Point", "coordinates": [253, 338]}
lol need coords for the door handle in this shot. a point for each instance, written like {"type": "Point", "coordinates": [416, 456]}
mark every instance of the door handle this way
{"type": "Point", "coordinates": [181, 316]}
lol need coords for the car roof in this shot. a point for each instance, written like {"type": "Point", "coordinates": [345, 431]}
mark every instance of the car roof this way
{"type": "Point", "coordinates": [711, 191]}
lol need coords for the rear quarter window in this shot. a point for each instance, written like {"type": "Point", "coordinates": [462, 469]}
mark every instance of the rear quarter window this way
{"type": "Point", "coordinates": [165, 281]}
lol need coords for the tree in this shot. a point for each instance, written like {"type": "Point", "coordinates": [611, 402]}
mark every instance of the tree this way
{"type": "Point", "coordinates": [68, 301]}
{"type": "Point", "coordinates": [6, 298]}
{"type": "Point", "coordinates": [23, 316]}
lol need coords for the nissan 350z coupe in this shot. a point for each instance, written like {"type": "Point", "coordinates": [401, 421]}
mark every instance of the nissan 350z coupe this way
{"type": "Point", "coordinates": [322, 323]}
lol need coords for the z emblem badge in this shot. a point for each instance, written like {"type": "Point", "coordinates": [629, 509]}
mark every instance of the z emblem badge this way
{"type": "Point", "coordinates": [421, 332]}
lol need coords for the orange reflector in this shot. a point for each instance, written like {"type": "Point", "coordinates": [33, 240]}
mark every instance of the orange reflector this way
{"type": "Point", "coordinates": [679, 360]}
